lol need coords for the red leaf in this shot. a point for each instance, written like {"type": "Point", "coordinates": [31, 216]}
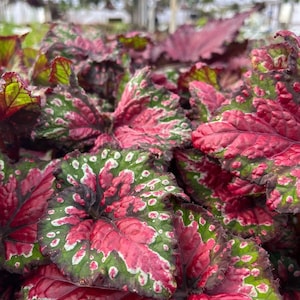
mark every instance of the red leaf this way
{"type": "Point", "coordinates": [149, 117]}
{"type": "Point", "coordinates": [187, 44]}
{"type": "Point", "coordinates": [49, 283]}
{"type": "Point", "coordinates": [236, 202]}
{"type": "Point", "coordinates": [227, 296]}
{"type": "Point", "coordinates": [203, 248]}
{"type": "Point", "coordinates": [24, 193]}
{"type": "Point", "coordinates": [113, 222]}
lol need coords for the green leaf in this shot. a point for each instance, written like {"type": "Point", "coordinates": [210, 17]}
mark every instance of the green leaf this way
{"type": "Point", "coordinates": [14, 95]}
{"type": "Point", "coordinates": [60, 70]}
{"type": "Point", "coordinates": [9, 46]}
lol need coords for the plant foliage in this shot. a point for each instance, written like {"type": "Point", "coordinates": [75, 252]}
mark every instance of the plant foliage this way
{"type": "Point", "coordinates": [138, 168]}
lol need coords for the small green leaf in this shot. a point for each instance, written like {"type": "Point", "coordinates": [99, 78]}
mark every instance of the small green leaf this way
{"type": "Point", "coordinates": [60, 70]}
{"type": "Point", "coordinates": [14, 95]}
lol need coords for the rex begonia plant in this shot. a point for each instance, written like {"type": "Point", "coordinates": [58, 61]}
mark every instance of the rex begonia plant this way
{"type": "Point", "coordinates": [113, 186]}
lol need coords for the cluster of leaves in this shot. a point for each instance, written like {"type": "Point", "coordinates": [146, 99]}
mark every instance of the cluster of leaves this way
{"type": "Point", "coordinates": [121, 178]}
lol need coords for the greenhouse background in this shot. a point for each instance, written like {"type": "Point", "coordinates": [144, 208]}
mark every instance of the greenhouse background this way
{"type": "Point", "coordinates": [153, 15]}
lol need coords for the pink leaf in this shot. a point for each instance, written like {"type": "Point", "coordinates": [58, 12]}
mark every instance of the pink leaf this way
{"type": "Point", "coordinates": [188, 44]}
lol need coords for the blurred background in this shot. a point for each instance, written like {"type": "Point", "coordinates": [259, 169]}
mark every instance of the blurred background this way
{"type": "Point", "coordinates": [150, 15]}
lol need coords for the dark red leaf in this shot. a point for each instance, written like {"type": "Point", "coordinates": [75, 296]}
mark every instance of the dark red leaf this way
{"type": "Point", "coordinates": [49, 283]}
{"type": "Point", "coordinates": [149, 117]}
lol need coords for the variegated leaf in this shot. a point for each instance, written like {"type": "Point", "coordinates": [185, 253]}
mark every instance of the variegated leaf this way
{"type": "Point", "coordinates": [111, 221]}
{"type": "Point", "coordinates": [249, 273]}
{"type": "Point", "coordinates": [49, 283]}
{"type": "Point", "coordinates": [203, 247]}
{"type": "Point", "coordinates": [256, 136]}
{"type": "Point", "coordinates": [25, 189]}
{"type": "Point", "coordinates": [238, 204]}
{"type": "Point", "coordinates": [149, 117]}
{"type": "Point", "coordinates": [71, 117]}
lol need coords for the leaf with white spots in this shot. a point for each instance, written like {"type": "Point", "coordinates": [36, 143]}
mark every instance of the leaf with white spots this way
{"type": "Point", "coordinates": [203, 247]}
{"type": "Point", "coordinates": [249, 272]}
{"type": "Point", "coordinates": [237, 203]}
{"type": "Point", "coordinates": [25, 189]}
{"type": "Point", "coordinates": [112, 219]}
{"type": "Point", "coordinates": [70, 117]}
{"type": "Point", "coordinates": [257, 135]}
{"type": "Point", "coordinates": [49, 283]}
{"type": "Point", "coordinates": [149, 117]}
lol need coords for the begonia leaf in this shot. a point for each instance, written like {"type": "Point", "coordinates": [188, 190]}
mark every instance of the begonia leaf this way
{"type": "Point", "coordinates": [137, 41]}
{"type": "Point", "coordinates": [199, 72]}
{"type": "Point", "coordinates": [58, 37]}
{"type": "Point", "coordinates": [71, 117]}
{"type": "Point", "coordinates": [97, 63]}
{"type": "Point", "coordinates": [187, 44]}
{"type": "Point", "coordinates": [249, 272]}
{"type": "Point", "coordinates": [261, 147]}
{"type": "Point", "coordinates": [49, 283]}
{"type": "Point", "coordinates": [14, 95]}
{"type": "Point", "coordinates": [111, 221]}
{"type": "Point", "coordinates": [19, 110]}
{"type": "Point", "coordinates": [236, 202]}
{"type": "Point", "coordinates": [102, 76]}
{"type": "Point", "coordinates": [149, 117]}
{"type": "Point", "coordinates": [203, 247]}
{"type": "Point", "coordinates": [205, 101]}
{"type": "Point", "coordinates": [25, 189]}
{"type": "Point", "coordinates": [275, 56]}
{"type": "Point", "coordinates": [9, 47]}
{"type": "Point", "coordinates": [60, 71]}
{"type": "Point", "coordinates": [257, 136]}
{"type": "Point", "coordinates": [41, 70]}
